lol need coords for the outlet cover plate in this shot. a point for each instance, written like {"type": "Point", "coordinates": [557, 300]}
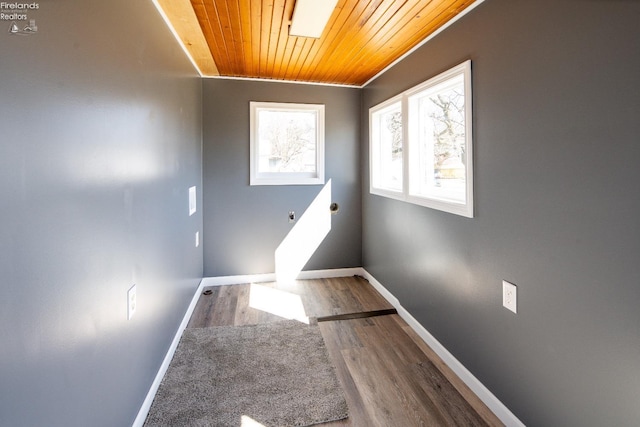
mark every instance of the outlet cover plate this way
{"type": "Point", "coordinates": [192, 200]}
{"type": "Point", "coordinates": [510, 296]}
{"type": "Point", "coordinates": [131, 302]}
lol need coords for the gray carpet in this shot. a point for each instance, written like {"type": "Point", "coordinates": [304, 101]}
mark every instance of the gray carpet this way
{"type": "Point", "coordinates": [277, 374]}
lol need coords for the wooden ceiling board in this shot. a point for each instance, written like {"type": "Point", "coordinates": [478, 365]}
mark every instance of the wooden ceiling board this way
{"type": "Point", "coordinates": [387, 40]}
{"type": "Point", "coordinates": [435, 18]}
{"type": "Point", "coordinates": [248, 48]}
{"type": "Point", "coordinates": [213, 34]}
{"type": "Point", "coordinates": [250, 38]}
{"type": "Point", "coordinates": [343, 38]}
{"type": "Point", "coordinates": [390, 41]}
{"type": "Point", "coordinates": [234, 25]}
{"type": "Point", "coordinates": [358, 40]}
{"type": "Point", "coordinates": [334, 28]}
{"type": "Point", "coordinates": [279, 38]}
{"type": "Point", "coordinates": [233, 34]}
{"type": "Point", "coordinates": [298, 67]}
{"type": "Point", "coordinates": [183, 19]}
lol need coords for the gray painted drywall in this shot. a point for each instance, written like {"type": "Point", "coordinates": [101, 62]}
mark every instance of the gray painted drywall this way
{"type": "Point", "coordinates": [243, 225]}
{"type": "Point", "coordinates": [100, 138]}
{"type": "Point", "coordinates": [557, 147]}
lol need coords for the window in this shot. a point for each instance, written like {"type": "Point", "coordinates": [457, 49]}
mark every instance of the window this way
{"type": "Point", "coordinates": [287, 144]}
{"type": "Point", "coordinates": [386, 147]}
{"type": "Point", "coordinates": [421, 144]}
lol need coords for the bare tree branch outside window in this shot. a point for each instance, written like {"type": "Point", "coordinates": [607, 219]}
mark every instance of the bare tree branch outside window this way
{"type": "Point", "coordinates": [394, 125]}
{"type": "Point", "coordinates": [289, 139]}
{"type": "Point", "coordinates": [449, 128]}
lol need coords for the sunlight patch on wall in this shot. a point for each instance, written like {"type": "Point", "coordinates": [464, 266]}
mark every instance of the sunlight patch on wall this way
{"type": "Point", "coordinates": [277, 302]}
{"type": "Point", "coordinates": [304, 238]}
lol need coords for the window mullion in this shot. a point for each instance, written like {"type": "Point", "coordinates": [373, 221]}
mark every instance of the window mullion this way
{"type": "Point", "coordinates": [406, 147]}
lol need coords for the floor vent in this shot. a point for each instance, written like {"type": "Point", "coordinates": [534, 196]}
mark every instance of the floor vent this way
{"type": "Point", "coordinates": [360, 315]}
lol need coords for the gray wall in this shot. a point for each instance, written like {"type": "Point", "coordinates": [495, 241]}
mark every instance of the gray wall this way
{"type": "Point", "coordinates": [100, 138]}
{"type": "Point", "coordinates": [557, 147]}
{"type": "Point", "coordinates": [244, 225]}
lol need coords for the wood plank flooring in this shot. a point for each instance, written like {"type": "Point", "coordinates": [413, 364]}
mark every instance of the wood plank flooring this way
{"type": "Point", "coordinates": [389, 375]}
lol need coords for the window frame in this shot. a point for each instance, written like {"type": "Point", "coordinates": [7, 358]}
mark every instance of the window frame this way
{"type": "Point", "coordinates": [449, 205]}
{"type": "Point", "coordinates": [285, 178]}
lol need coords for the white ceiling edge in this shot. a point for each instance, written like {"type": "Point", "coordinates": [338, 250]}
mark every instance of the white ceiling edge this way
{"type": "Point", "coordinates": [295, 82]}
{"type": "Point", "coordinates": [176, 35]}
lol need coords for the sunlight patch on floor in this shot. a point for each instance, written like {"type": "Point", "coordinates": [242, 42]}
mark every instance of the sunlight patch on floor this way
{"type": "Point", "coordinates": [277, 302]}
{"type": "Point", "coordinates": [249, 422]}
{"type": "Point", "coordinates": [304, 238]}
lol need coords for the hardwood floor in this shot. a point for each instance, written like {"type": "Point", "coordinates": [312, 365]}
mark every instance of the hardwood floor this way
{"type": "Point", "coordinates": [389, 375]}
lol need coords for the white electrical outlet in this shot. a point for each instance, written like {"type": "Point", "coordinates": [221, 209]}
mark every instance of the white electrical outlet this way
{"type": "Point", "coordinates": [131, 302]}
{"type": "Point", "coordinates": [510, 296]}
{"type": "Point", "coordinates": [197, 239]}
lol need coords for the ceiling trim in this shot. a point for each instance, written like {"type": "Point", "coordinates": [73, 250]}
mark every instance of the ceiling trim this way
{"type": "Point", "coordinates": [295, 82]}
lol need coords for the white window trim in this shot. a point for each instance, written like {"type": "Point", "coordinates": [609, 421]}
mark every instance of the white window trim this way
{"type": "Point", "coordinates": [454, 207]}
{"type": "Point", "coordinates": [285, 178]}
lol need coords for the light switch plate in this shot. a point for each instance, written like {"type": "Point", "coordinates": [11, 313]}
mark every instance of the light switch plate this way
{"type": "Point", "coordinates": [131, 302]}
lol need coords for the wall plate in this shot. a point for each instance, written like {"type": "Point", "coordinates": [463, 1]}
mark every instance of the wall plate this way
{"type": "Point", "coordinates": [509, 296]}
{"type": "Point", "coordinates": [132, 301]}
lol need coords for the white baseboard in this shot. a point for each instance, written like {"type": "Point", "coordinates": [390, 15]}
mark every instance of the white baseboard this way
{"type": "Point", "coordinates": [146, 405]}
{"type": "Point", "coordinates": [492, 402]}
{"type": "Point", "coordinates": [271, 277]}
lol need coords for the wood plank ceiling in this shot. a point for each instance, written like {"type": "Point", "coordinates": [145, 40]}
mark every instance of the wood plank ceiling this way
{"type": "Point", "coordinates": [250, 38]}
